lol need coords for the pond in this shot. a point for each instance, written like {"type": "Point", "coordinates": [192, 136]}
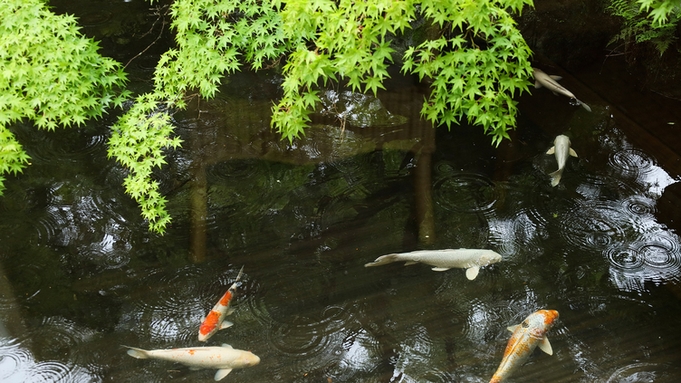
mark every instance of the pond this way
{"type": "Point", "coordinates": [82, 277]}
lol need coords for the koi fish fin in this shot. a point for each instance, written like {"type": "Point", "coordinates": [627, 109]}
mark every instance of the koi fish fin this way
{"type": "Point", "coordinates": [545, 346]}
{"type": "Point", "coordinates": [440, 268]}
{"type": "Point", "coordinates": [229, 312]}
{"type": "Point", "coordinates": [573, 153]}
{"type": "Point", "coordinates": [557, 78]}
{"type": "Point", "coordinates": [222, 373]}
{"type": "Point", "coordinates": [225, 345]}
{"type": "Point", "coordinates": [555, 177]}
{"type": "Point", "coordinates": [137, 352]}
{"type": "Point", "coordinates": [472, 272]}
{"type": "Point", "coordinates": [552, 150]}
{"type": "Point", "coordinates": [382, 260]}
{"type": "Point", "coordinates": [409, 263]}
{"type": "Point", "coordinates": [226, 324]}
{"type": "Point", "coordinates": [512, 328]}
{"type": "Point", "coordinates": [537, 84]}
{"type": "Point", "coordinates": [585, 106]}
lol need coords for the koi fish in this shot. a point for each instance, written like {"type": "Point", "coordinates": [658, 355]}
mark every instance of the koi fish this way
{"type": "Point", "coordinates": [526, 336]}
{"type": "Point", "coordinates": [561, 148]}
{"type": "Point", "coordinates": [224, 358]}
{"type": "Point", "coordinates": [470, 259]}
{"type": "Point", "coordinates": [215, 320]}
{"type": "Point", "coordinates": [543, 79]}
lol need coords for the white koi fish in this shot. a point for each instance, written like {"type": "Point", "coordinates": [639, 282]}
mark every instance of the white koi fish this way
{"type": "Point", "coordinates": [224, 358]}
{"type": "Point", "coordinates": [549, 82]}
{"type": "Point", "coordinates": [215, 320]}
{"type": "Point", "coordinates": [561, 148]}
{"type": "Point", "coordinates": [470, 259]}
{"type": "Point", "coordinates": [525, 338]}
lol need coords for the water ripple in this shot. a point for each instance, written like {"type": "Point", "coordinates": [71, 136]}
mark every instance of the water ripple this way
{"type": "Point", "coordinates": [632, 162]}
{"type": "Point", "coordinates": [80, 145]}
{"type": "Point", "coordinates": [232, 171]}
{"type": "Point", "coordinates": [639, 205]}
{"type": "Point", "coordinates": [310, 343]}
{"type": "Point", "coordinates": [168, 314]}
{"type": "Point", "coordinates": [595, 225]}
{"type": "Point", "coordinates": [465, 192]}
{"type": "Point", "coordinates": [516, 235]}
{"type": "Point", "coordinates": [635, 373]}
{"type": "Point", "coordinates": [625, 258]}
{"type": "Point", "coordinates": [654, 257]}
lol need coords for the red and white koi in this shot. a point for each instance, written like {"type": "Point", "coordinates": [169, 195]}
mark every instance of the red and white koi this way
{"type": "Point", "coordinates": [224, 358]}
{"type": "Point", "coordinates": [215, 320]}
{"type": "Point", "coordinates": [526, 336]}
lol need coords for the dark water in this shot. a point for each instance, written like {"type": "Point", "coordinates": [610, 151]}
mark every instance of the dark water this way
{"type": "Point", "coordinates": [80, 275]}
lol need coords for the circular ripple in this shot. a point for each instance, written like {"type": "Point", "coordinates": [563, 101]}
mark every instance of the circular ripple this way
{"type": "Point", "coordinates": [57, 336]}
{"type": "Point", "coordinates": [516, 236]}
{"type": "Point", "coordinates": [301, 337]}
{"type": "Point", "coordinates": [595, 225]}
{"type": "Point", "coordinates": [233, 170]}
{"type": "Point", "coordinates": [632, 162]}
{"type": "Point", "coordinates": [465, 192]}
{"type": "Point", "coordinates": [13, 361]}
{"type": "Point", "coordinates": [49, 372]}
{"type": "Point", "coordinates": [639, 205]}
{"type": "Point", "coordinates": [173, 308]}
{"type": "Point", "coordinates": [73, 144]}
{"type": "Point", "coordinates": [635, 373]}
{"type": "Point", "coordinates": [662, 252]}
{"type": "Point", "coordinates": [654, 257]}
{"type": "Point", "coordinates": [625, 258]}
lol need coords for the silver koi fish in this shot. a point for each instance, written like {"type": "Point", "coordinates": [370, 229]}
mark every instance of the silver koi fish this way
{"type": "Point", "coordinates": [224, 358]}
{"type": "Point", "coordinates": [561, 148]}
{"type": "Point", "coordinates": [470, 259]}
{"type": "Point", "coordinates": [549, 82]}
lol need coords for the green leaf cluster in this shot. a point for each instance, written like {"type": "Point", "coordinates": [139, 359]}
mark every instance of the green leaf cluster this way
{"type": "Point", "coordinates": [652, 21]}
{"type": "Point", "coordinates": [661, 11]}
{"type": "Point", "coordinates": [342, 41]}
{"type": "Point", "coordinates": [211, 39]}
{"type": "Point", "coordinates": [49, 74]}
{"type": "Point", "coordinates": [477, 65]}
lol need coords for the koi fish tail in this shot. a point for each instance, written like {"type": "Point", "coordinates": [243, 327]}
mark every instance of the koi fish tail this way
{"type": "Point", "coordinates": [585, 106]}
{"type": "Point", "coordinates": [137, 352]}
{"type": "Point", "coordinates": [555, 177]}
{"type": "Point", "coordinates": [383, 260]}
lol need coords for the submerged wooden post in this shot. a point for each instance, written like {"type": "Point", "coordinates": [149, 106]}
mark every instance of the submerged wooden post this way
{"type": "Point", "coordinates": [198, 195]}
{"type": "Point", "coordinates": [198, 201]}
{"type": "Point", "coordinates": [423, 186]}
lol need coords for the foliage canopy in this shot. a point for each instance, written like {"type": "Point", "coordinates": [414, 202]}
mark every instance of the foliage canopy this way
{"type": "Point", "coordinates": [477, 63]}
{"type": "Point", "coordinates": [471, 53]}
{"type": "Point", "coordinates": [49, 74]}
{"type": "Point", "coordinates": [653, 21]}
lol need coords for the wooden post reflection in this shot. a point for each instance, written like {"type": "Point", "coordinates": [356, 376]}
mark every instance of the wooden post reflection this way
{"type": "Point", "coordinates": [423, 188]}
{"type": "Point", "coordinates": [198, 192]}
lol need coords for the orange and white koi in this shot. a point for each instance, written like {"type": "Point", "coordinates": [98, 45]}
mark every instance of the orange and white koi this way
{"type": "Point", "coordinates": [215, 320]}
{"type": "Point", "coordinates": [526, 336]}
{"type": "Point", "coordinates": [224, 358]}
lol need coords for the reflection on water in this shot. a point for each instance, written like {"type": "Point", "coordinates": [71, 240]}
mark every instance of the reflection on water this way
{"type": "Point", "coordinates": [81, 275]}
